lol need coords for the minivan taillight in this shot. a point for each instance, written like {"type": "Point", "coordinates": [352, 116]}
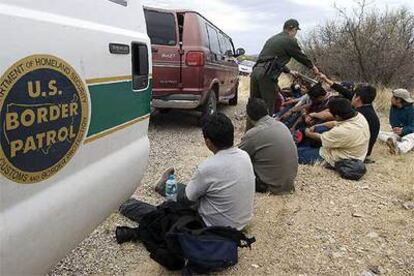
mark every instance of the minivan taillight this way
{"type": "Point", "coordinates": [195, 59]}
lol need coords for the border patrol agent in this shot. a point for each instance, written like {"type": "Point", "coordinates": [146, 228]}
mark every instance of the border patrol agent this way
{"type": "Point", "coordinates": [272, 61]}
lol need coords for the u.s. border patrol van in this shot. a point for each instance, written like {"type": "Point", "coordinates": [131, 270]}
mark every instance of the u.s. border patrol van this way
{"type": "Point", "coordinates": [75, 90]}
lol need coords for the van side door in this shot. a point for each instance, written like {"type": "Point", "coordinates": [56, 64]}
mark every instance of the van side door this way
{"type": "Point", "coordinates": [230, 64]}
{"type": "Point", "coordinates": [215, 62]}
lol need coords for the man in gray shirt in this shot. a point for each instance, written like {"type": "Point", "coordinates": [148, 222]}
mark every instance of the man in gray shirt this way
{"type": "Point", "coordinates": [272, 150]}
{"type": "Point", "coordinates": [222, 186]}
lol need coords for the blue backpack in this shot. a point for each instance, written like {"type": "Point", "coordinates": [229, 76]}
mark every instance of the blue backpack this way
{"type": "Point", "coordinates": [206, 249]}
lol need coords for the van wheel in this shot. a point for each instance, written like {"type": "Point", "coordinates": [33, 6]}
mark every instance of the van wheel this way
{"type": "Point", "coordinates": [210, 106]}
{"type": "Point", "coordinates": [233, 101]}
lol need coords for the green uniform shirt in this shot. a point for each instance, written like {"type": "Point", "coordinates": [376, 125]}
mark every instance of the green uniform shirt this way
{"type": "Point", "coordinates": [285, 48]}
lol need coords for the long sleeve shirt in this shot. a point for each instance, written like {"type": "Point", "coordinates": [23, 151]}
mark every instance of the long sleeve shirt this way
{"type": "Point", "coordinates": [403, 118]}
{"type": "Point", "coordinates": [369, 113]}
{"type": "Point", "coordinates": [284, 48]}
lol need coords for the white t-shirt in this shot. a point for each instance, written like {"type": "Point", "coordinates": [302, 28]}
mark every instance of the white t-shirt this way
{"type": "Point", "coordinates": [224, 187]}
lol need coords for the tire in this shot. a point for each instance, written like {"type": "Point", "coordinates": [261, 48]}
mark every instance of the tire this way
{"type": "Point", "coordinates": [234, 100]}
{"type": "Point", "coordinates": [209, 107]}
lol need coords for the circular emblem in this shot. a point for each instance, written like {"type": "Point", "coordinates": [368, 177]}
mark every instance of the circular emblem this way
{"type": "Point", "coordinates": [44, 113]}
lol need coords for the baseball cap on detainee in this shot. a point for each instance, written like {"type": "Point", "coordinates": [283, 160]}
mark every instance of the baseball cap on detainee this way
{"type": "Point", "coordinates": [403, 94]}
{"type": "Point", "coordinates": [291, 23]}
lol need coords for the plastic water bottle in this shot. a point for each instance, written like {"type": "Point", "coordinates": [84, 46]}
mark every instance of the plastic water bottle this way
{"type": "Point", "coordinates": [171, 188]}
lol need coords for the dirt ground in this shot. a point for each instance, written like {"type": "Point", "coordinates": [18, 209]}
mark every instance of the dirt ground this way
{"type": "Point", "coordinates": [330, 226]}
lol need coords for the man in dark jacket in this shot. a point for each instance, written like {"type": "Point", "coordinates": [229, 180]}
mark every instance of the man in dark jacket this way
{"type": "Point", "coordinates": [278, 50]}
{"type": "Point", "coordinates": [362, 99]}
{"type": "Point", "coordinates": [401, 139]}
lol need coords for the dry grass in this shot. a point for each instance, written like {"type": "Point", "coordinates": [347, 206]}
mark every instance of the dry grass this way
{"type": "Point", "coordinates": [383, 101]}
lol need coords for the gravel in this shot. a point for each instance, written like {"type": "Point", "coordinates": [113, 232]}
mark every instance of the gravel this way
{"type": "Point", "coordinates": [330, 226]}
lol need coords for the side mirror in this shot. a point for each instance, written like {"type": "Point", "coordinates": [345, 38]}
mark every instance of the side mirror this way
{"type": "Point", "coordinates": [240, 52]}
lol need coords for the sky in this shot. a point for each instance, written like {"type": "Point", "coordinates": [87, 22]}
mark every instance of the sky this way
{"type": "Point", "coordinates": [251, 22]}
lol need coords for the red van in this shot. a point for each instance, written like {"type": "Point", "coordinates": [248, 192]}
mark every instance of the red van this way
{"type": "Point", "coordinates": [194, 65]}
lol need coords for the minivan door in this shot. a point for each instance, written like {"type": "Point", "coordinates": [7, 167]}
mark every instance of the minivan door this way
{"type": "Point", "coordinates": [163, 32]}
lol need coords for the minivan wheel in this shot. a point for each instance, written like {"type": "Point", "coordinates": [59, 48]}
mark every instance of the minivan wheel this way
{"type": "Point", "coordinates": [210, 106]}
{"type": "Point", "coordinates": [233, 101]}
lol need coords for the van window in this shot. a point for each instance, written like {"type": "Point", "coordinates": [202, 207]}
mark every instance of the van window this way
{"type": "Point", "coordinates": [225, 45]}
{"type": "Point", "coordinates": [140, 66]}
{"type": "Point", "coordinates": [161, 27]}
{"type": "Point", "coordinates": [213, 39]}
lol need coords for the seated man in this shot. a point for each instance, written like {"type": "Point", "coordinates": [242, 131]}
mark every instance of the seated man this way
{"type": "Point", "coordinates": [317, 110]}
{"type": "Point", "coordinates": [348, 138]}
{"type": "Point", "coordinates": [271, 149]}
{"type": "Point", "coordinates": [222, 186]}
{"type": "Point", "coordinates": [362, 99]}
{"type": "Point", "coordinates": [401, 139]}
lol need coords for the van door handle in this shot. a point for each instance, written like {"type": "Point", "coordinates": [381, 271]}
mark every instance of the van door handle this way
{"type": "Point", "coordinates": [154, 50]}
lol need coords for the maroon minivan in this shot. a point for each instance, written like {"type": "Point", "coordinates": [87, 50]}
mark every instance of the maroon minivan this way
{"type": "Point", "coordinates": [194, 65]}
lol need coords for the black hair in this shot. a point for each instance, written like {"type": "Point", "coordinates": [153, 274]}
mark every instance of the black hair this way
{"type": "Point", "coordinates": [219, 129]}
{"type": "Point", "coordinates": [316, 91]}
{"type": "Point", "coordinates": [366, 93]}
{"type": "Point", "coordinates": [256, 109]}
{"type": "Point", "coordinates": [339, 106]}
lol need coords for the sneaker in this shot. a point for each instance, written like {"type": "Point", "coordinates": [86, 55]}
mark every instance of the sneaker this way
{"type": "Point", "coordinates": [391, 143]}
{"type": "Point", "coordinates": [160, 186]}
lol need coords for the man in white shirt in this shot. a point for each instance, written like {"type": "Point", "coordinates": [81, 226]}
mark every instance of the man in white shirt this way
{"type": "Point", "coordinates": [222, 186]}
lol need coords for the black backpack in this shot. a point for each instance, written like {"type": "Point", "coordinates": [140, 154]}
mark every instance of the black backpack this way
{"type": "Point", "coordinates": [153, 229]}
{"type": "Point", "coordinates": [351, 169]}
{"type": "Point", "coordinates": [177, 238]}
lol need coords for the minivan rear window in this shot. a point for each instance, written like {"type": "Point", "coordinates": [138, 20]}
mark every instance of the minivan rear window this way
{"type": "Point", "coordinates": [161, 27]}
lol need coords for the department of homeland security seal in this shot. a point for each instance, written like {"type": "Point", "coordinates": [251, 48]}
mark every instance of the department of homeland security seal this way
{"type": "Point", "coordinates": [44, 113]}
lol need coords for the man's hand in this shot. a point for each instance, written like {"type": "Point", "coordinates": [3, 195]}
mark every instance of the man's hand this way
{"type": "Point", "coordinates": [309, 120]}
{"type": "Point", "coordinates": [309, 131]}
{"type": "Point", "coordinates": [330, 124]}
{"type": "Point", "coordinates": [295, 74]}
{"type": "Point", "coordinates": [312, 128]}
{"type": "Point", "coordinates": [325, 79]}
{"type": "Point", "coordinates": [315, 70]}
{"type": "Point", "coordinates": [397, 130]}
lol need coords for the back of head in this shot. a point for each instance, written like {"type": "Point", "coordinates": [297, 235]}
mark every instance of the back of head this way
{"type": "Point", "coordinates": [219, 129]}
{"type": "Point", "coordinates": [256, 109]}
{"type": "Point", "coordinates": [316, 91]}
{"type": "Point", "coordinates": [339, 106]}
{"type": "Point", "coordinates": [366, 93]}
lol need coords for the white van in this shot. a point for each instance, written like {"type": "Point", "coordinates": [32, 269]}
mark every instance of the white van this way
{"type": "Point", "coordinates": [75, 90]}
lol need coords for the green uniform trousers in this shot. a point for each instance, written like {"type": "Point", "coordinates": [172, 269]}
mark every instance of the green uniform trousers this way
{"type": "Point", "coordinates": [264, 87]}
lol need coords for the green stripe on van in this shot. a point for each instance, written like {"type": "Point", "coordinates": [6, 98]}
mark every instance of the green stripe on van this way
{"type": "Point", "coordinates": [115, 104]}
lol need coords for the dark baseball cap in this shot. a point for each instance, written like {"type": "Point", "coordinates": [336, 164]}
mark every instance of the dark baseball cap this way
{"type": "Point", "coordinates": [291, 23]}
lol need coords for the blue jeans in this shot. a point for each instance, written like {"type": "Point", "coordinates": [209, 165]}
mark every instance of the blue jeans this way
{"type": "Point", "coordinates": [307, 142]}
{"type": "Point", "coordinates": [308, 155]}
